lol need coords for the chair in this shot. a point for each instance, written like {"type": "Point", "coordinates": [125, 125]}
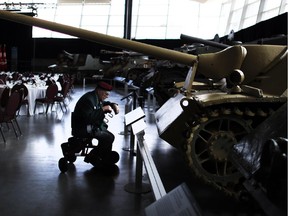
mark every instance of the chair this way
{"type": "Point", "coordinates": [60, 99]}
{"type": "Point", "coordinates": [4, 97]}
{"type": "Point", "coordinates": [51, 92]}
{"type": "Point", "coordinates": [9, 114]}
{"type": "Point", "coordinates": [16, 76]}
{"type": "Point", "coordinates": [4, 77]}
{"type": "Point", "coordinates": [24, 91]}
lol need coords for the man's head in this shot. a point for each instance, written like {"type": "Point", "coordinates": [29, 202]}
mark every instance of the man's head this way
{"type": "Point", "coordinates": [103, 90]}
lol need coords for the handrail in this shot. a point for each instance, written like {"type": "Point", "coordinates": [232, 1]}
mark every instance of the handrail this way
{"type": "Point", "coordinates": [154, 178]}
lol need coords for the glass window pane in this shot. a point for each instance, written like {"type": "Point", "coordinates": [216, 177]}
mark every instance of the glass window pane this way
{"type": "Point", "coordinates": [116, 20]}
{"type": "Point", "coordinates": [271, 4]}
{"type": "Point", "coordinates": [46, 13]}
{"type": "Point", "coordinates": [40, 32]}
{"type": "Point", "coordinates": [171, 17]}
{"type": "Point", "coordinates": [238, 4]}
{"type": "Point", "coordinates": [209, 10]}
{"type": "Point", "coordinates": [150, 32]}
{"type": "Point", "coordinates": [233, 26]}
{"type": "Point", "coordinates": [117, 9]}
{"type": "Point", "coordinates": [134, 20]}
{"type": "Point", "coordinates": [176, 20]}
{"type": "Point", "coordinates": [96, 9]}
{"type": "Point", "coordinates": [71, 10]}
{"type": "Point", "coordinates": [97, 1]}
{"type": "Point", "coordinates": [68, 20]}
{"type": "Point", "coordinates": [69, 1]}
{"type": "Point", "coordinates": [99, 29]}
{"type": "Point", "coordinates": [222, 26]}
{"type": "Point", "coordinates": [249, 21]}
{"type": "Point", "coordinates": [176, 9]}
{"type": "Point", "coordinates": [236, 16]}
{"type": "Point", "coordinates": [152, 21]}
{"type": "Point", "coordinates": [204, 30]}
{"type": "Point", "coordinates": [269, 14]}
{"type": "Point", "coordinates": [252, 9]}
{"type": "Point", "coordinates": [174, 32]}
{"type": "Point", "coordinates": [154, 2]}
{"type": "Point", "coordinates": [116, 31]}
{"type": "Point", "coordinates": [94, 20]}
{"type": "Point", "coordinates": [253, 1]}
{"type": "Point", "coordinates": [286, 8]}
{"type": "Point", "coordinates": [60, 35]}
{"type": "Point", "coordinates": [133, 32]}
{"type": "Point", "coordinates": [153, 10]}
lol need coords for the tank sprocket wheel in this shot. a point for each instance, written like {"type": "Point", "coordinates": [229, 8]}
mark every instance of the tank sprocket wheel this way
{"type": "Point", "coordinates": [208, 147]}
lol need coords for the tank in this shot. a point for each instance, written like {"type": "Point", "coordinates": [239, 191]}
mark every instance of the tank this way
{"type": "Point", "coordinates": [240, 87]}
{"type": "Point", "coordinates": [210, 117]}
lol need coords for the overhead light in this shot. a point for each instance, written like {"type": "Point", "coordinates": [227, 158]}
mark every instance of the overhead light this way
{"type": "Point", "coordinates": [29, 8]}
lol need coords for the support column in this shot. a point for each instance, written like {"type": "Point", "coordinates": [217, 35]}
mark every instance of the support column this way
{"type": "Point", "coordinates": [127, 19]}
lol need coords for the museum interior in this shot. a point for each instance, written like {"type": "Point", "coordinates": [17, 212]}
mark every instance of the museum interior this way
{"type": "Point", "coordinates": [201, 87]}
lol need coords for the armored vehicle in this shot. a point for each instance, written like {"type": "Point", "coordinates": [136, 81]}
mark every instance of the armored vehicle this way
{"type": "Point", "coordinates": [245, 84]}
{"type": "Point", "coordinates": [242, 85]}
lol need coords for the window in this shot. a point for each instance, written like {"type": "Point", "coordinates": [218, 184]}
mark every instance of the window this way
{"type": "Point", "coordinates": [157, 19]}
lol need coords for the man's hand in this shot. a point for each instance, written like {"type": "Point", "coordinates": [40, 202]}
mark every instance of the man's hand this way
{"type": "Point", "coordinates": [115, 108]}
{"type": "Point", "coordinates": [107, 109]}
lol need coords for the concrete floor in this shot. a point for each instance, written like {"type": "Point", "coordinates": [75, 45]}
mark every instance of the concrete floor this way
{"type": "Point", "coordinates": [31, 183]}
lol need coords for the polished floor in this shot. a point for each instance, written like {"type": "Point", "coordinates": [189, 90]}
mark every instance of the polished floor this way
{"type": "Point", "coordinates": [31, 183]}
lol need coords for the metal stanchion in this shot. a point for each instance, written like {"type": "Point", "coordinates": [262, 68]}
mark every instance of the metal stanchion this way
{"type": "Point", "coordinates": [135, 98]}
{"type": "Point", "coordinates": [128, 108]}
{"type": "Point", "coordinates": [132, 140]}
{"type": "Point", "coordinates": [138, 186]}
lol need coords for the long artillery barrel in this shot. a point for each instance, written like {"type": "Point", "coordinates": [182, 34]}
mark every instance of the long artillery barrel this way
{"type": "Point", "coordinates": [191, 39]}
{"type": "Point", "coordinates": [158, 52]}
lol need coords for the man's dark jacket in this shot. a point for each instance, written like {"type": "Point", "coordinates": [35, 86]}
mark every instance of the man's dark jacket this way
{"type": "Point", "coordinates": [88, 112]}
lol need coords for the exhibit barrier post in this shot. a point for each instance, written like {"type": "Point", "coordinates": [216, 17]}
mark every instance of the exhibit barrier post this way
{"type": "Point", "coordinates": [136, 119]}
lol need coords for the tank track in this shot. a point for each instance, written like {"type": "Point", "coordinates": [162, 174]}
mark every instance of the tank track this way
{"type": "Point", "coordinates": [211, 139]}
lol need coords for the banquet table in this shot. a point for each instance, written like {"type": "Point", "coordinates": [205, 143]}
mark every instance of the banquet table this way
{"type": "Point", "coordinates": [33, 93]}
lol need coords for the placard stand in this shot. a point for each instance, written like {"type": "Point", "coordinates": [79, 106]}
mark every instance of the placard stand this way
{"type": "Point", "coordinates": [131, 117]}
{"type": "Point", "coordinates": [178, 201]}
{"type": "Point", "coordinates": [135, 119]}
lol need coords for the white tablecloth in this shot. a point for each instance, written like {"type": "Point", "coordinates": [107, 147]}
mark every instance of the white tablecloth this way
{"type": "Point", "coordinates": [33, 93]}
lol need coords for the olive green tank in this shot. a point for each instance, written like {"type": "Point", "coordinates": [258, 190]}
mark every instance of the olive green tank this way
{"type": "Point", "coordinates": [242, 86]}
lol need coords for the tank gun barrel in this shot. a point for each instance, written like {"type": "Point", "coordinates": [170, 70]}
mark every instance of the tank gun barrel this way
{"type": "Point", "coordinates": [191, 39]}
{"type": "Point", "coordinates": [158, 52]}
{"type": "Point", "coordinates": [121, 53]}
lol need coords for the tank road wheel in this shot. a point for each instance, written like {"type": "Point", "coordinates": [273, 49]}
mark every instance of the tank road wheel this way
{"type": "Point", "coordinates": [208, 148]}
